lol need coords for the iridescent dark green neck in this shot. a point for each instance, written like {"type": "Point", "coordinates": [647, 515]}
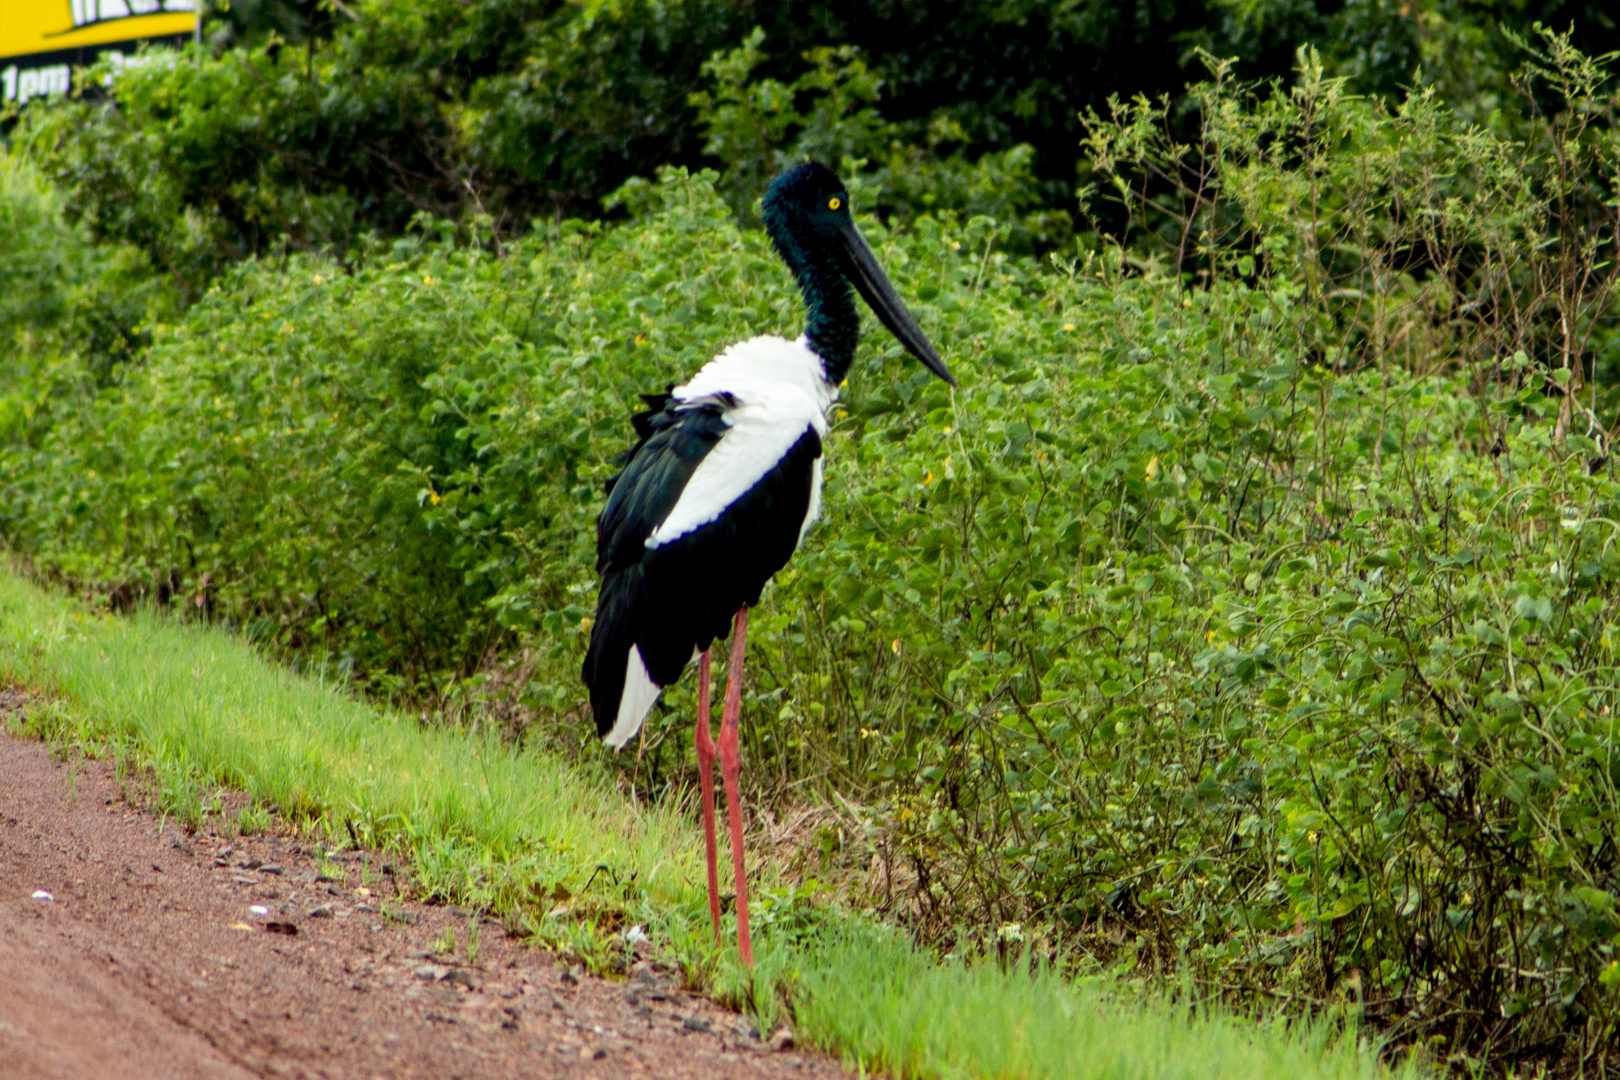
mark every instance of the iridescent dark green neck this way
{"type": "Point", "coordinates": [832, 324]}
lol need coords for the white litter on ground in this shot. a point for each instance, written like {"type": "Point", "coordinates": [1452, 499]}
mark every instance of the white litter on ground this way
{"type": "Point", "coordinates": [259, 909]}
{"type": "Point", "coordinates": [41, 894]}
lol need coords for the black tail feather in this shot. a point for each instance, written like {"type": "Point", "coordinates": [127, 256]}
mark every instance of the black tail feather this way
{"type": "Point", "coordinates": [619, 612]}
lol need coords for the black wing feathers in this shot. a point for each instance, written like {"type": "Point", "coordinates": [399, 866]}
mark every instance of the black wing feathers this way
{"type": "Point", "coordinates": [642, 422]}
{"type": "Point", "coordinates": [644, 493]}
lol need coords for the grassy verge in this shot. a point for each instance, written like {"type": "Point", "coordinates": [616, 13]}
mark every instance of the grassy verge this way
{"type": "Point", "coordinates": [563, 855]}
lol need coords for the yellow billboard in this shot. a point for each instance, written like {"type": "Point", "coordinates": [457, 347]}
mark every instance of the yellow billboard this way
{"type": "Point", "coordinates": [41, 41]}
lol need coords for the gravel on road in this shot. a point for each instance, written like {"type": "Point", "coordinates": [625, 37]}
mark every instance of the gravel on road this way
{"type": "Point", "coordinates": [133, 949]}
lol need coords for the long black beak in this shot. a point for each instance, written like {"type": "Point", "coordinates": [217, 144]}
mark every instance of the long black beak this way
{"type": "Point", "coordinates": [874, 287]}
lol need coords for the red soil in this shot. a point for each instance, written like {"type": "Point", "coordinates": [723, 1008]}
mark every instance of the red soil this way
{"type": "Point", "coordinates": [147, 961]}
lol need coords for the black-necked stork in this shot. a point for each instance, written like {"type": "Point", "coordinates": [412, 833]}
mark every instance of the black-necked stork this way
{"type": "Point", "coordinates": [720, 487]}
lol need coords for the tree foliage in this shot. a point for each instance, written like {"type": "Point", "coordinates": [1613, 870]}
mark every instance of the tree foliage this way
{"type": "Point", "coordinates": [307, 127]}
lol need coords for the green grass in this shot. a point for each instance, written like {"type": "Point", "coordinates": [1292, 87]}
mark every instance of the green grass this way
{"type": "Point", "coordinates": [479, 820]}
{"type": "Point", "coordinates": [515, 832]}
{"type": "Point", "coordinates": [878, 999]}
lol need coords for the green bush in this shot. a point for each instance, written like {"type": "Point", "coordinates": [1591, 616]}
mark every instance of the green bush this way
{"type": "Point", "coordinates": [40, 260]}
{"type": "Point", "coordinates": [756, 128]}
{"type": "Point", "coordinates": [493, 112]}
{"type": "Point", "coordinates": [57, 287]}
{"type": "Point", "coordinates": [71, 313]}
{"type": "Point", "coordinates": [305, 125]}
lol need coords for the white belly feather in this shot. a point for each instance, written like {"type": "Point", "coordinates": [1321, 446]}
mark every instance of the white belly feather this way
{"type": "Point", "coordinates": [780, 390]}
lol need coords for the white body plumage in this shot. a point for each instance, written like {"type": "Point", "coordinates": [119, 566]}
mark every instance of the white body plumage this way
{"type": "Point", "coordinates": [779, 388]}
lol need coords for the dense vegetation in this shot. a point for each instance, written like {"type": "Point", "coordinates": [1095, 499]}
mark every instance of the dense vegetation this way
{"type": "Point", "coordinates": [308, 124]}
{"type": "Point", "coordinates": [1250, 609]}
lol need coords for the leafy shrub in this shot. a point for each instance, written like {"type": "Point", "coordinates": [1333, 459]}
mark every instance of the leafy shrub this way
{"type": "Point", "coordinates": [60, 292]}
{"type": "Point", "coordinates": [756, 127]}
{"type": "Point", "coordinates": [165, 167]}
{"type": "Point", "coordinates": [305, 125]}
{"type": "Point", "coordinates": [499, 112]}
{"type": "Point", "coordinates": [37, 254]}
{"type": "Point", "coordinates": [1418, 239]}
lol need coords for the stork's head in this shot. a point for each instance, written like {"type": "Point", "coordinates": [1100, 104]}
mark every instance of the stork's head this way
{"type": "Point", "coordinates": [808, 219]}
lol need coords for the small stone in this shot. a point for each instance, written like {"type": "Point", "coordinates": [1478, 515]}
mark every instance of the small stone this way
{"type": "Point", "coordinates": [569, 978]}
{"type": "Point", "coordinates": [692, 1023]}
{"type": "Point", "coordinates": [465, 978]}
{"type": "Point", "coordinates": [270, 868]}
{"type": "Point", "coordinates": [323, 911]}
{"type": "Point", "coordinates": [288, 928]}
{"type": "Point", "coordinates": [782, 1039]}
{"type": "Point", "coordinates": [431, 972]}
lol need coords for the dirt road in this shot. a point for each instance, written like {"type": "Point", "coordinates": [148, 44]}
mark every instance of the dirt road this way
{"type": "Point", "coordinates": [130, 949]}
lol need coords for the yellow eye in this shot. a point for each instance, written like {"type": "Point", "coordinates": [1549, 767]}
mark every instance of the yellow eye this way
{"type": "Point", "coordinates": [834, 203]}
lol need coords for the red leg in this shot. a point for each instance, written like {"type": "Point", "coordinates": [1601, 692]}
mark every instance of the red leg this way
{"type": "Point", "coordinates": [705, 756]}
{"type": "Point", "coordinates": [730, 765]}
